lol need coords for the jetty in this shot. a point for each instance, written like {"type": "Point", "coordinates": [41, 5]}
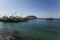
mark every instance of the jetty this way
{"type": "Point", "coordinates": [17, 18]}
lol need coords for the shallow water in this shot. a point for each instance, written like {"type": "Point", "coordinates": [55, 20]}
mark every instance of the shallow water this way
{"type": "Point", "coordinates": [34, 29]}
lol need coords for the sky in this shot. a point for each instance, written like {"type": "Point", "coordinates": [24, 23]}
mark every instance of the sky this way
{"type": "Point", "coordinates": [39, 8]}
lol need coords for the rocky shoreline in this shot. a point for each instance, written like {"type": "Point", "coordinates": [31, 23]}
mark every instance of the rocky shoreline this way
{"type": "Point", "coordinates": [13, 36]}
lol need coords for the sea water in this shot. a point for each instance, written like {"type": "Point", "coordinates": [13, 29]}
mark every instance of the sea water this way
{"type": "Point", "coordinates": [34, 29]}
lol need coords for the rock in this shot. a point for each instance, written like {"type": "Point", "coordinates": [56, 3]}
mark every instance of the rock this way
{"type": "Point", "coordinates": [1, 37]}
{"type": "Point", "coordinates": [16, 35]}
{"type": "Point", "coordinates": [10, 38]}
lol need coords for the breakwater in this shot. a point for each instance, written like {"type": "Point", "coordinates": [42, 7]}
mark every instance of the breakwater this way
{"type": "Point", "coordinates": [16, 19]}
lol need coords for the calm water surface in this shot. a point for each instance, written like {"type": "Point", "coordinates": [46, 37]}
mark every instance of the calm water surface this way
{"type": "Point", "coordinates": [34, 29]}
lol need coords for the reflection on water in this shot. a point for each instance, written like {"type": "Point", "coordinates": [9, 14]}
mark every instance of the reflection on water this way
{"type": "Point", "coordinates": [32, 30]}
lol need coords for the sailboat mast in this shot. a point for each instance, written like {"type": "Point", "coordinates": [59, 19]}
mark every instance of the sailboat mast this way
{"type": "Point", "coordinates": [21, 14]}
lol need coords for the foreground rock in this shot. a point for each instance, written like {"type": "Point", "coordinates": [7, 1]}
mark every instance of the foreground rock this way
{"type": "Point", "coordinates": [13, 36]}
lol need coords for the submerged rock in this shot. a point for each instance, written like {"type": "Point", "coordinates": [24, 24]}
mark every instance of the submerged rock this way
{"type": "Point", "coordinates": [16, 35]}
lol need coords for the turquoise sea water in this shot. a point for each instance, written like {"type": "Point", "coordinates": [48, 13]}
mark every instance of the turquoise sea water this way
{"type": "Point", "coordinates": [34, 29]}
